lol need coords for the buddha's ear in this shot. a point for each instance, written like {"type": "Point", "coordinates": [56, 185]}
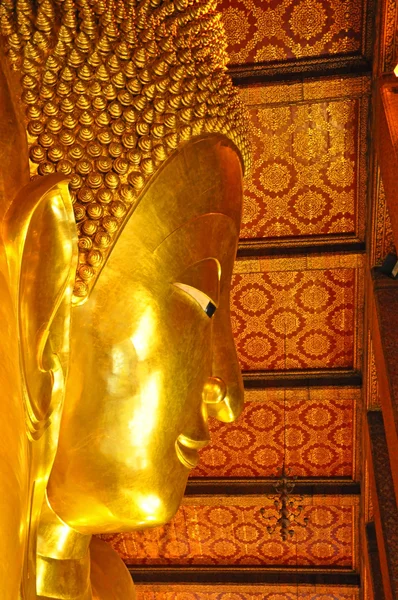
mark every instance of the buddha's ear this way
{"type": "Point", "coordinates": [42, 255]}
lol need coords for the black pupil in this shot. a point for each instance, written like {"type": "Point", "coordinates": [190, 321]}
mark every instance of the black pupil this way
{"type": "Point", "coordinates": [210, 309]}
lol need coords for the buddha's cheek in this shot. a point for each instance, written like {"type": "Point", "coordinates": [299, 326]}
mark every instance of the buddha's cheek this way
{"type": "Point", "coordinates": [127, 402]}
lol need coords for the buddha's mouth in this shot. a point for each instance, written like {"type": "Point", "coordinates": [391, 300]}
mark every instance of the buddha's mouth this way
{"type": "Point", "coordinates": [187, 450]}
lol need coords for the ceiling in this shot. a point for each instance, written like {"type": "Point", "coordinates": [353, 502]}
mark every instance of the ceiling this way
{"type": "Point", "coordinates": [304, 71]}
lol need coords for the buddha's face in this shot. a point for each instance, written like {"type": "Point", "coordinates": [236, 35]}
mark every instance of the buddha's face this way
{"type": "Point", "coordinates": [152, 353]}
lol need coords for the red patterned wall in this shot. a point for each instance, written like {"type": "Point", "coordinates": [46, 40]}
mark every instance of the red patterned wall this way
{"type": "Point", "coordinates": [320, 435]}
{"type": "Point", "coordinates": [259, 31]}
{"type": "Point", "coordinates": [247, 592]}
{"type": "Point", "coordinates": [231, 531]}
{"type": "Point", "coordinates": [294, 318]}
{"type": "Point", "coordinates": [309, 165]}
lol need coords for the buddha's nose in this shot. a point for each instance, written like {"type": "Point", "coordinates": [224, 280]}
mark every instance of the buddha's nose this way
{"type": "Point", "coordinates": [224, 402]}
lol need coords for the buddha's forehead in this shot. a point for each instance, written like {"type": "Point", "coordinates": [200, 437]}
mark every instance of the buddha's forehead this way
{"type": "Point", "coordinates": [191, 211]}
{"type": "Point", "coordinates": [203, 178]}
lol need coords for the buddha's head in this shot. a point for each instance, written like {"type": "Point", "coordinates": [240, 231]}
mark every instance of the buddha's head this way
{"type": "Point", "coordinates": [152, 353]}
{"type": "Point", "coordinates": [143, 120]}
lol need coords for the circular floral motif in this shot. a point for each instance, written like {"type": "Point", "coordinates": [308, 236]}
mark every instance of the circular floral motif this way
{"type": "Point", "coordinates": [275, 177]}
{"type": "Point", "coordinates": [236, 25]}
{"type": "Point", "coordinates": [272, 119]}
{"type": "Point", "coordinates": [315, 344]}
{"type": "Point", "coordinates": [323, 516]}
{"type": "Point", "coordinates": [282, 280]}
{"type": "Point", "coordinates": [318, 416]}
{"type": "Point", "coordinates": [270, 52]}
{"type": "Point", "coordinates": [342, 437]}
{"type": "Point", "coordinates": [239, 439]}
{"type": "Point", "coordinates": [237, 323]}
{"type": "Point", "coordinates": [199, 531]}
{"type": "Point", "coordinates": [341, 172]}
{"type": "Point", "coordinates": [250, 210]}
{"type": "Point", "coordinates": [242, 471]}
{"type": "Point", "coordinates": [315, 296]}
{"type": "Point", "coordinates": [269, 21]}
{"type": "Point", "coordinates": [323, 551]}
{"type": "Point", "coordinates": [309, 144]}
{"type": "Point", "coordinates": [337, 224]}
{"type": "Point", "coordinates": [268, 457]}
{"type": "Point", "coordinates": [272, 551]}
{"type": "Point", "coordinates": [220, 516]}
{"type": "Point", "coordinates": [341, 277]}
{"type": "Point", "coordinates": [310, 206]}
{"type": "Point", "coordinates": [176, 549]}
{"type": "Point", "coordinates": [296, 437]}
{"type": "Point", "coordinates": [279, 226]}
{"type": "Point", "coordinates": [320, 456]}
{"type": "Point", "coordinates": [264, 418]}
{"type": "Point", "coordinates": [308, 19]}
{"type": "Point", "coordinates": [253, 299]}
{"type": "Point", "coordinates": [341, 319]}
{"type": "Point", "coordinates": [285, 323]}
{"type": "Point", "coordinates": [342, 533]}
{"type": "Point", "coordinates": [247, 533]}
{"type": "Point", "coordinates": [224, 548]}
{"type": "Point", "coordinates": [213, 457]}
{"type": "Point", "coordinates": [259, 347]}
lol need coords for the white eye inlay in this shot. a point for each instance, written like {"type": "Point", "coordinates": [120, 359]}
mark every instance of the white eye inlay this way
{"type": "Point", "coordinates": [201, 298]}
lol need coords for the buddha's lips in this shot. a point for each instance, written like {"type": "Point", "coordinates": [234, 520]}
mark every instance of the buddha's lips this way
{"type": "Point", "coordinates": [187, 450]}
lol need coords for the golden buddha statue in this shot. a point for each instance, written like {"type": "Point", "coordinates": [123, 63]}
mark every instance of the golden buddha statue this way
{"type": "Point", "coordinates": [117, 117]}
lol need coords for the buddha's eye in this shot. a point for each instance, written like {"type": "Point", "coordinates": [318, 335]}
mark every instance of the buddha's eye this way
{"type": "Point", "coordinates": [201, 298]}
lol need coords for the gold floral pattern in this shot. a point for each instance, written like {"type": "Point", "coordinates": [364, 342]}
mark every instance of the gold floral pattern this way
{"type": "Point", "coordinates": [260, 32]}
{"type": "Point", "coordinates": [294, 318]}
{"type": "Point", "coordinates": [320, 436]}
{"type": "Point", "coordinates": [230, 530]}
{"type": "Point", "coordinates": [308, 19]}
{"type": "Point", "coordinates": [309, 172]}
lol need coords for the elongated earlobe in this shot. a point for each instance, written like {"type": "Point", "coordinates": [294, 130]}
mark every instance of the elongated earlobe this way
{"type": "Point", "coordinates": [42, 251]}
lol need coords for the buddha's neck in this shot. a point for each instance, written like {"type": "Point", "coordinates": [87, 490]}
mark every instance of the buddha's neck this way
{"type": "Point", "coordinates": [63, 560]}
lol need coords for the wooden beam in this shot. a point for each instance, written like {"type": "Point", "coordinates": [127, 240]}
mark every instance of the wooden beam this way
{"type": "Point", "coordinates": [299, 69]}
{"type": "Point", "coordinates": [374, 561]}
{"type": "Point", "coordinates": [262, 247]}
{"type": "Point", "coordinates": [382, 295]}
{"type": "Point", "coordinates": [249, 575]}
{"type": "Point", "coordinates": [386, 512]}
{"type": "Point", "coordinates": [385, 135]}
{"type": "Point", "coordinates": [333, 486]}
{"type": "Point", "coordinates": [295, 379]}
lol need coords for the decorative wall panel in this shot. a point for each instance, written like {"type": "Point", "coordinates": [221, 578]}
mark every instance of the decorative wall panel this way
{"type": "Point", "coordinates": [372, 387]}
{"type": "Point", "coordinates": [247, 592]}
{"type": "Point", "coordinates": [320, 438]}
{"type": "Point", "coordinates": [372, 402]}
{"type": "Point", "coordinates": [262, 32]}
{"type": "Point", "coordinates": [309, 171]}
{"type": "Point", "coordinates": [382, 241]}
{"type": "Point", "coordinates": [287, 314]}
{"type": "Point", "coordinates": [388, 36]}
{"type": "Point", "coordinates": [231, 531]}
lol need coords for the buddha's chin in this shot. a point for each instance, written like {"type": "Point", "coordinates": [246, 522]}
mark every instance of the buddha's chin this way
{"type": "Point", "coordinates": [141, 507]}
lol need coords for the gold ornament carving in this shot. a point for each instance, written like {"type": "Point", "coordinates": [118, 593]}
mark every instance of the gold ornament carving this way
{"type": "Point", "coordinates": [382, 241]}
{"type": "Point", "coordinates": [308, 19]}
